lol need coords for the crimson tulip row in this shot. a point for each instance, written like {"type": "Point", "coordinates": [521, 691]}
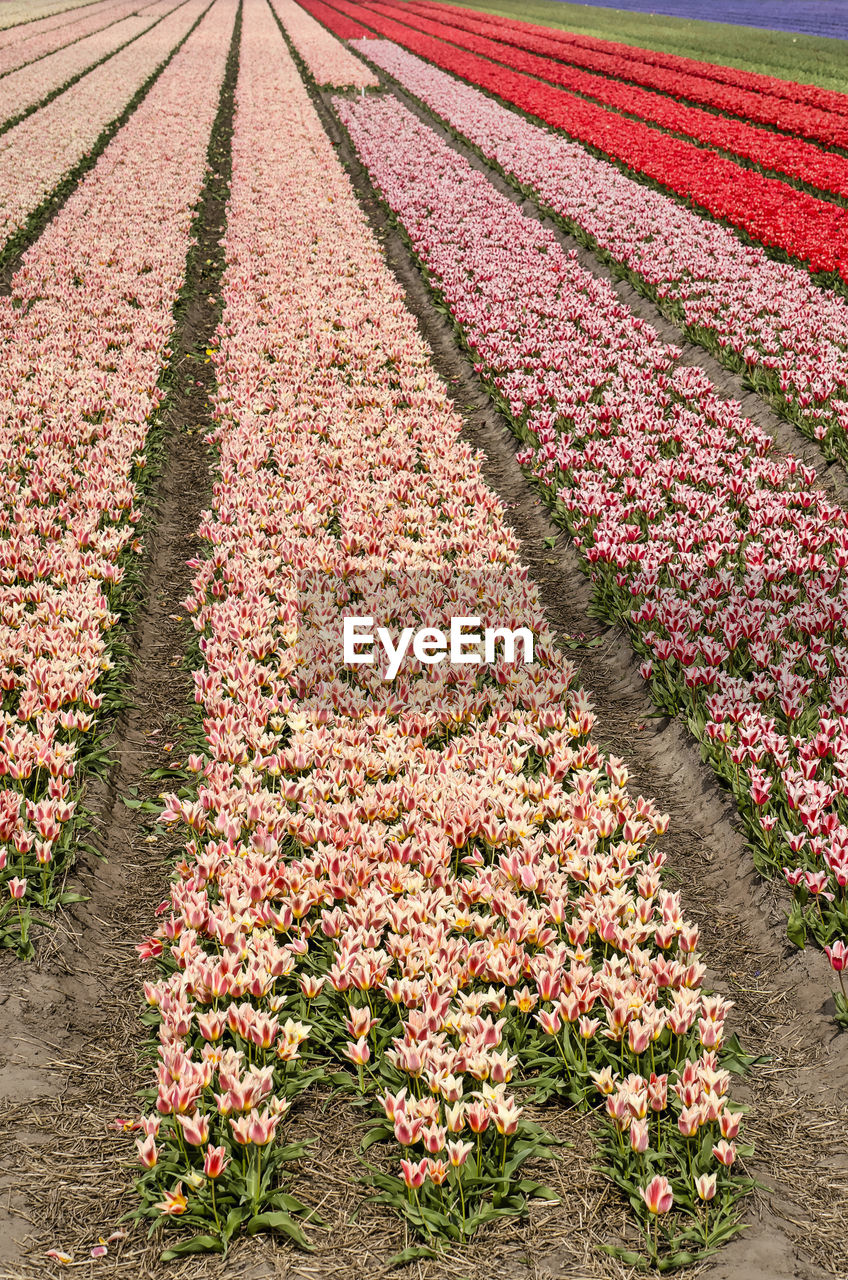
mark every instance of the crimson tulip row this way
{"type": "Point", "coordinates": [342, 26]}
{"type": "Point", "coordinates": [325, 58]}
{"type": "Point", "coordinates": [84, 336]}
{"type": "Point", "coordinates": [792, 156]}
{"type": "Point", "coordinates": [771, 86]}
{"type": "Point", "coordinates": [37, 154]}
{"type": "Point", "coordinates": [827, 124]}
{"type": "Point", "coordinates": [725, 563]}
{"type": "Point", "coordinates": [789, 337]}
{"type": "Point", "coordinates": [437, 882]}
{"type": "Point", "coordinates": [772, 213]}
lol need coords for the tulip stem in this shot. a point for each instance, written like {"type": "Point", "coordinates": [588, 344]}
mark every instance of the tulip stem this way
{"type": "Point", "coordinates": [214, 1206]}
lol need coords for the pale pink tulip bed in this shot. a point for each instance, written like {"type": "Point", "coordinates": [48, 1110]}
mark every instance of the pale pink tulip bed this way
{"type": "Point", "coordinates": [85, 341]}
{"type": "Point", "coordinates": [22, 45]}
{"type": "Point", "coordinates": [437, 892]}
{"type": "Point", "coordinates": [25, 13]}
{"type": "Point", "coordinates": [22, 90]}
{"type": "Point", "coordinates": [39, 153]}
{"type": "Point", "coordinates": [327, 60]}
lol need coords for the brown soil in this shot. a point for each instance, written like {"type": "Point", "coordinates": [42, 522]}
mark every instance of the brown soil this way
{"type": "Point", "coordinates": [72, 1051]}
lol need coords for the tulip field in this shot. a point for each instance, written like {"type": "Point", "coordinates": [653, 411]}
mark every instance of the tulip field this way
{"type": "Point", "coordinates": [423, 648]}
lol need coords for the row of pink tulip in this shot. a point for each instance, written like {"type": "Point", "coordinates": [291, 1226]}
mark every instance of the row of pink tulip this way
{"type": "Point", "coordinates": [84, 337]}
{"type": "Point", "coordinates": [726, 562]}
{"type": "Point", "coordinates": [37, 154]}
{"type": "Point", "coordinates": [26, 12]}
{"type": "Point", "coordinates": [790, 335]}
{"type": "Point", "coordinates": [21, 45]}
{"type": "Point", "coordinates": [326, 58]}
{"type": "Point", "coordinates": [779, 153]}
{"type": "Point", "coordinates": [25, 88]}
{"type": "Point", "coordinates": [438, 880]}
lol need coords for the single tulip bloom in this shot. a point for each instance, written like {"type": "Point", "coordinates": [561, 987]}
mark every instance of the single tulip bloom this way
{"type": "Point", "coordinates": [837, 954]}
{"type": "Point", "coordinates": [658, 1195]}
{"type": "Point", "coordinates": [639, 1136]}
{"type": "Point", "coordinates": [215, 1161]}
{"type": "Point", "coordinates": [147, 1151]}
{"type": "Point", "coordinates": [195, 1129]}
{"type": "Point", "coordinates": [725, 1153]}
{"type": "Point", "coordinates": [458, 1153]}
{"type": "Point", "coordinates": [413, 1174]}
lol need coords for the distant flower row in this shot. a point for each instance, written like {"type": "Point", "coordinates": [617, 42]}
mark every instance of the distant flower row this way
{"type": "Point", "coordinates": [22, 89]}
{"type": "Point", "coordinates": [769, 317]}
{"type": "Point", "coordinates": [22, 12]}
{"type": "Point", "coordinates": [801, 109]}
{"type": "Point", "coordinates": [35, 40]}
{"type": "Point", "coordinates": [37, 154]}
{"type": "Point", "coordinates": [793, 156]}
{"type": "Point", "coordinates": [771, 212]}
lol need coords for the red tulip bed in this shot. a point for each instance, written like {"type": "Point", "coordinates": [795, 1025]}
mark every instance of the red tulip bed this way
{"type": "Point", "coordinates": [825, 120]}
{"type": "Point", "coordinates": [802, 226]}
{"type": "Point", "coordinates": [765, 317]}
{"type": "Point", "coordinates": [791, 156]}
{"type": "Point", "coordinates": [426, 888]}
{"type": "Point", "coordinates": [827, 100]}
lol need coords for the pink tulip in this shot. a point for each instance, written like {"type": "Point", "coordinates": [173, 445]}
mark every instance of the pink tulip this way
{"type": "Point", "coordinates": [147, 1151]}
{"type": "Point", "coordinates": [413, 1174]}
{"type": "Point", "coordinates": [215, 1161]}
{"type": "Point", "coordinates": [837, 954]}
{"type": "Point", "coordinates": [658, 1195]}
{"type": "Point", "coordinates": [725, 1153]}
